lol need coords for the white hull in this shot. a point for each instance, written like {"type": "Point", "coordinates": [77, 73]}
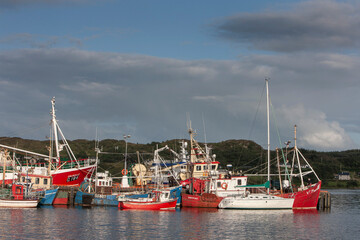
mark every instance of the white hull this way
{"type": "Point", "coordinates": [257, 201]}
{"type": "Point", "coordinates": [18, 203]}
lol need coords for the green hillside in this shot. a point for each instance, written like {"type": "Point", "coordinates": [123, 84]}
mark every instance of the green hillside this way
{"type": "Point", "coordinates": [242, 154]}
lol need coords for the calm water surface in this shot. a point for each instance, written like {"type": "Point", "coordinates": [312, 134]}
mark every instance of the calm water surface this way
{"type": "Point", "coordinates": [342, 222]}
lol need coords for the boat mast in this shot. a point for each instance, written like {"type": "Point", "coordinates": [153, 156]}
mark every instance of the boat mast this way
{"type": "Point", "coordinates": [298, 159]}
{"type": "Point", "coordinates": [268, 127]}
{"type": "Point", "coordinates": [53, 121]}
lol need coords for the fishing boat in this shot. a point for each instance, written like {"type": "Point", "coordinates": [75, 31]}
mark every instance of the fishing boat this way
{"type": "Point", "coordinates": [304, 198]}
{"type": "Point", "coordinates": [161, 200]}
{"type": "Point", "coordinates": [197, 196]}
{"type": "Point", "coordinates": [203, 174]}
{"type": "Point", "coordinates": [63, 172]}
{"type": "Point", "coordinates": [17, 197]}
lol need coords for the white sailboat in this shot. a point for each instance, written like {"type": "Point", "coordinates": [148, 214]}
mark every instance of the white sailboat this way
{"type": "Point", "coordinates": [259, 200]}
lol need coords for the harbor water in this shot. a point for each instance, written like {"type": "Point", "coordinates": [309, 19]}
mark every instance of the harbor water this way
{"type": "Point", "coordinates": [341, 222]}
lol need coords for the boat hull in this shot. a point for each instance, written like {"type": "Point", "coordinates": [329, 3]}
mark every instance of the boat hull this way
{"type": "Point", "coordinates": [306, 199]}
{"type": "Point", "coordinates": [61, 198]}
{"type": "Point", "coordinates": [166, 205]}
{"type": "Point", "coordinates": [4, 203]}
{"type": "Point", "coordinates": [259, 202]}
{"type": "Point", "coordinates": [72, 176]}
{"type": "Point", "coordinates": [49, 197]}
{"type": "Point", "coordinates": [206, 200]}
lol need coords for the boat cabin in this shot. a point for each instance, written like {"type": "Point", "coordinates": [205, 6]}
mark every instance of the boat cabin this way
{"type": "Point", "coordinates": [38, 181]}
{"type": "Point", "coordinates": [103, 183]}
{"type": "Point", "coordinates": [226, 186]}
{"type": "Point", "coordinates": [17, 191]}
{"type": "Point", "coordinates": [204, 169]}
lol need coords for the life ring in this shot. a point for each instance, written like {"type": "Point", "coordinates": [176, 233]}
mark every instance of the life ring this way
{"type": "Point", "coordinates": [224, 185]}
{"type": "Point", "coordinates": [124, 172]}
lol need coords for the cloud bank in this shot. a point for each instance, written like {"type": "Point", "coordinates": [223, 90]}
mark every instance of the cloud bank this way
{"type": "Point", "coordinates": [148, 97]}
{"type": "Point", "coordinates": [309, 26]}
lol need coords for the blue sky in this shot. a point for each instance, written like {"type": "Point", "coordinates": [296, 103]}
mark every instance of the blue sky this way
{"type": "Point", "coordinates": [138, 67]}
{"type": "Point", "coordinates": [175, 29]}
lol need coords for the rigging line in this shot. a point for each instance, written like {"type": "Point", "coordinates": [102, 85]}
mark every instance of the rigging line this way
{"type": "Point", "coordinates": [282, 152]}
{"type": "Point", "coordinates": [204, 127]}
{"type": "Point", "coordinates": [251, 161]}
{"type": "Point", "coordinates": [257, 110]}
{"type": "Point", "coordinates": [265, 163]}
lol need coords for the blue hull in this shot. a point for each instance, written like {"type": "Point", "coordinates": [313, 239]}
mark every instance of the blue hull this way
{"type": "Point", "coordinates": [176, 191]}
{"type": "Point", "coordinates": [49, 197]}
{"type": "Point", "coordinates": [82, 198]}
{"type": "Point", "coordinates": [106, 200]}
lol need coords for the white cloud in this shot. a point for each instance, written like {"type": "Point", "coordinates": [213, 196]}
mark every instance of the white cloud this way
{"type": "Point", "coordinates": [315, 131]}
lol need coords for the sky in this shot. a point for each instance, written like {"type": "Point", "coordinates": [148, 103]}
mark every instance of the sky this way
{"type": "Point", "coordinates": [144, 68]}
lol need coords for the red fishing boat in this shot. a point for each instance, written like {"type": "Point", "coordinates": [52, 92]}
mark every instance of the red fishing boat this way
{"type": "Point", "coordinates": [205, 200]}
{"type": "Point", "coordinates": [157, 200]}
{"type": "Point", "coordinates": [69, 172]}
{"type": "Point", "coordinates": [198, 197]}
{"type": "Point", "coordinates": [151, 205]}
{"type": "Point", "coordinates": [305, 199]}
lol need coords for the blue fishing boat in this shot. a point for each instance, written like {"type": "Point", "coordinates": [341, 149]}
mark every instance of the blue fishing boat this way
{"type": "Point", "coordinates": [49, 197]}
{"type": "Point", "coordinates": [84, 198]}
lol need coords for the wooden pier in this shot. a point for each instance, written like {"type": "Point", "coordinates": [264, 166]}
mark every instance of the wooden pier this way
{"type": "Point", "coordinates": [324, 202]}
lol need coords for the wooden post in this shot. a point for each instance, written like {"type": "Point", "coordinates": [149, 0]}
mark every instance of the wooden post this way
{"type": "Point", "coordinates": [71, 196]}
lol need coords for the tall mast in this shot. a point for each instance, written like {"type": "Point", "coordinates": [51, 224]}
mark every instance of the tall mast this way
{"type": "Point", "coordinates": [268, 125]}
{"type": "Point", "coordinates": [298, 160]}
{"type": "Point", "coordinates": [54, 125]}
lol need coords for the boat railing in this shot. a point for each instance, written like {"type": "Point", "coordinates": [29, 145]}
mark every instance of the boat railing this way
{"type": "Point", "coordinates": [73, 163]}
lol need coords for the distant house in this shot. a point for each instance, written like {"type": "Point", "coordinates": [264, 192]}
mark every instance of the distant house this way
{"type": "Point", "coordinates": [344, 176]}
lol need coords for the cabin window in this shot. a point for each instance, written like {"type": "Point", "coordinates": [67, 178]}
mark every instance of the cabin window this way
{"type": "Point", "coordinates": [45, 181]}
{"type": "Point", "coordinates": [213, 167]}
{"type": "Point", "coordinates": [205, 167]}
{"type": "Point", "coordinates": [219, 184]}
{"type": "Point", "coordinates": [198, 168]}
{"type": "Point", "coordinates": [239, 182]}
{"type": "Point", "coordinates": [37, 180]}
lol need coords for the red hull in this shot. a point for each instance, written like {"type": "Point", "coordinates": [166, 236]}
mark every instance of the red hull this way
{"type": "Point", "coordinates": [148, 205]}
{"type": "Point", "coordinates": [72, 176]}
{"type": "Point", "coordinates": [206, 200]}
{"type": "Point", "coordinates": [7, 181]}
{"type": "Point", "coordinates": [60, 201]}
{"type": "Point", "coordinates": [306, 199]}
